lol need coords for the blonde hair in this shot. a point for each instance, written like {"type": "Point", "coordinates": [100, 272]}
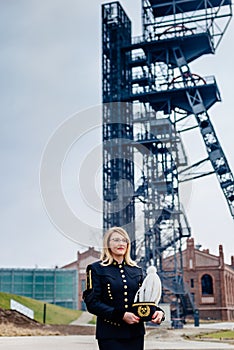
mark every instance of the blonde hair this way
{"type": "Point", "coordinates": [106, 256]}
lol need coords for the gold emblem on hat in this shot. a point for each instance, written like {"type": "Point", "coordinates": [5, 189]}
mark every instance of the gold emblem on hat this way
{"type": "Point", "coordinates": [143, 310]}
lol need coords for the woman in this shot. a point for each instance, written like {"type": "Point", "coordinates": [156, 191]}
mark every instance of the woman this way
{"type": "Point", "coordinates": [111, 287]}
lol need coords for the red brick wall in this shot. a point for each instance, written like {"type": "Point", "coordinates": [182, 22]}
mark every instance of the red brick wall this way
{"type": "Point", "coordinates": [219, 305]}
{"type": "Point", "coordinates": [196, 263]}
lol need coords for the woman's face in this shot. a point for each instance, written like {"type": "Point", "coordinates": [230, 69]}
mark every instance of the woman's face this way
{"type": "Point", "coordinates": [118, 245]}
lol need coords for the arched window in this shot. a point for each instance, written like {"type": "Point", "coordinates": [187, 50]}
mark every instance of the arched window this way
{"type": "Point", "coordinates": [207, 284]}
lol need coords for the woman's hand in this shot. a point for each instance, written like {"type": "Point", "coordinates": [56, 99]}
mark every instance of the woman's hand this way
{"type": "Point", "coordinates": [131, 318]}
{"type": "Point", "coordinates": [157, 317]}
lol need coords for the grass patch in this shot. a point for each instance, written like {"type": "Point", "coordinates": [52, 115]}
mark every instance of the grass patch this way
{"type": "Point", "coordinates": [221, 335]}
{"type": "Point", "coordinates": [54, 314]}
{"type": "Point", "coordinates": [93, 321]}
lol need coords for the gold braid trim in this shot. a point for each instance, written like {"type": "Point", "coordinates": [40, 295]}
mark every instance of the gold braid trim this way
{"type": "Point", "coordinates": [90, 280]}
{"type": "Point", "coordinates": [89, 284]}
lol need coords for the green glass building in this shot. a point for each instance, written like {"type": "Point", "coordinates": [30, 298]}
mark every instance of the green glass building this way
{"type": "Point", "coordinates": [55, 286]}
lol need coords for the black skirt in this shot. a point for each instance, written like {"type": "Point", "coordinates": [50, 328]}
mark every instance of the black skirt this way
{"type": "Point", "coordinates": [122, 344]}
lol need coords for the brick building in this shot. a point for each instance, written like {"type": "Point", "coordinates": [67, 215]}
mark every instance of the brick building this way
{"type": "Point", "coordinates": [83, 259]}
{"type": "Point", "coordinates": [210, 281]}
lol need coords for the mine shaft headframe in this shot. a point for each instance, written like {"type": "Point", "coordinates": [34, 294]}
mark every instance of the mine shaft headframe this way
{"type": "Point", "coordinates": [186, 17]}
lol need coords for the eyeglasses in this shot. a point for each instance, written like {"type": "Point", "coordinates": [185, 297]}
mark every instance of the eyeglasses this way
{"type": "Point", "coordinates": [118, 240]}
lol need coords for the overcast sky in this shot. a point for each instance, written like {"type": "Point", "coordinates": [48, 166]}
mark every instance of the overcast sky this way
{"type": "Point", "coordinates": [50, 69]}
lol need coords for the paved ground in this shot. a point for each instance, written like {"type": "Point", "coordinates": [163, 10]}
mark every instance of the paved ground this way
{"type": "Point", "coordinates": [83, 319]}
{"type": "Point", "coordinates": [156, 339]}
{"type": "Point", "coordinates": [88, 343]}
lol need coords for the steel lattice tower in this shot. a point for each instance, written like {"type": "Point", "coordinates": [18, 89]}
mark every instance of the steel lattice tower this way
{"type": "Point", "coordinates": [148, 91]}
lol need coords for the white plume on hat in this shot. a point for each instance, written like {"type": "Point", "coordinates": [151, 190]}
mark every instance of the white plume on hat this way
{"type": "Point", "coordinates": [151, 289]}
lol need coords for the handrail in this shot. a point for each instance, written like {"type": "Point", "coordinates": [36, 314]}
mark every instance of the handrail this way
{"type": "Point", "coordinates": [168, 86]}
{"type": "Point", "coordinates": [166, 34]}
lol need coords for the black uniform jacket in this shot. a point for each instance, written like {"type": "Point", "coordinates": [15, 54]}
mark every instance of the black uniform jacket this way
{"type": "Point", "coordinates": [109, 294]}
